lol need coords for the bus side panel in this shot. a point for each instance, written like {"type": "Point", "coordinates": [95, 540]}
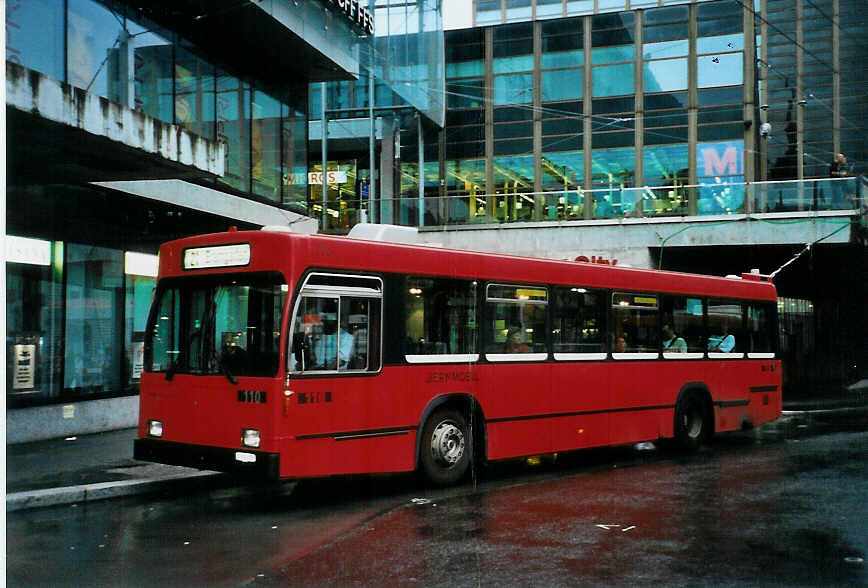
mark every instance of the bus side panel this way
{"type": "Point", "coordinates": [517, 405]}
{"type": "Point", "coordinates": [747, 393]}
{"type": "Point", "coordinates": [581, 394]}
{"type": "Point", "coordinates": [766, 397]}
{"type": "Point", "coordinates": [324, 416]}
{"type": "Point", "coordinates": [644, 395]}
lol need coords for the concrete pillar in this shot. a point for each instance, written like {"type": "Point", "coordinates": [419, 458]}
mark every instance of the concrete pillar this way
{"type": "Point", "coordinates": [387, 170]}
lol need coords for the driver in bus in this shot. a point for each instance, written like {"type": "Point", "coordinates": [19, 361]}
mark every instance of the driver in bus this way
{"type": "Point", "coordinates": [334, 349]}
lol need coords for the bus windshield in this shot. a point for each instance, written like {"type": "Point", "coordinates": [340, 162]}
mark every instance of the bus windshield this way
{"type": "Point", "coordinates": [226, 324]}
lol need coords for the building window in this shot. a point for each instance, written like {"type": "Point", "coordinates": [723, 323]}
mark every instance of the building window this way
{"type": "Point", "coordinates": [265, 146]}
{"type": "Point", "coordinates": [518, 10]}
{"type": "Point", "coordinates": [233, 129]}
{"type": "Point", "coordinates": [34, 36]}
{"type": "Point", "coordinates": [488, 12]}
{"type": "Point", "coordinates": [549, 8]}
{"type": "Point", "coordinates": [613, 171]}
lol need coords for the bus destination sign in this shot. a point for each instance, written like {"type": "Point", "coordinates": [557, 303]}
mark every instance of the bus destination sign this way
{"type": "Point", "coordinates": [218, 256]}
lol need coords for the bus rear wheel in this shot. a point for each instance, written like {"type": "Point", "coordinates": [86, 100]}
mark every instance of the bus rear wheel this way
{"type": "Point", "coordinates": [446, 447]}
{"type": "Point", "coordinates": [691, 426]}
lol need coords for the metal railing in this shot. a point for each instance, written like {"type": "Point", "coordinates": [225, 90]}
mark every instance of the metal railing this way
{"type": "Point", "coordinates": [615, 202]}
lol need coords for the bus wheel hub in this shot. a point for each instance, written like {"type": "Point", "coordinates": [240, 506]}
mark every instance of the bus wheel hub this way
{"type": "Point", "coordinates": [447, 443]}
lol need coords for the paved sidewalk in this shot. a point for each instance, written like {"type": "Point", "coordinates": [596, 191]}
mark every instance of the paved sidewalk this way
{"type": "Point", "coordinates": [88, 467]}
{"type": "Point", "coordinates": [95, 467]}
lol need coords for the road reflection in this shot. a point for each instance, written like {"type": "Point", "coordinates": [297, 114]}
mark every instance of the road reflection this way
{"type": "Point", "coordinates": [742, 511]}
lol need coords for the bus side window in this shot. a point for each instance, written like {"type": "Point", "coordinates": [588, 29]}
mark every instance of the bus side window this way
{"type": "Point", "coordinates": [725, 326]}
{"type": "Point", "coordinates": [440, 317]}
{"type": "Point", "coordinates": [336, 329]}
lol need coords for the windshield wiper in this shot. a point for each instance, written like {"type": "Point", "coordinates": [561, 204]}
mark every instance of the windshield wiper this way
{"type": "Point", "coordinates": [170, 373]}
{"type": "Point", "coordinates": [224, 369]}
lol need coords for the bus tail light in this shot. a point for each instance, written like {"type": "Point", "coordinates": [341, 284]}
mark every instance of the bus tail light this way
{"type": "Point", "coordinates": [155, 428]}
{"type": "Point", "coordinates": [250, 437]}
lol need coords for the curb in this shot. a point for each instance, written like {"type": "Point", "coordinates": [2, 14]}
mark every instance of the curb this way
{"type": "Point", "coordinates": [824, 411]}
{"type": "Point", "coordinates": [100, 491]}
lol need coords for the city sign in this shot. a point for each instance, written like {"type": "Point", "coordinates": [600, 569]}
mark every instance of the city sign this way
{"type": "Point", "coordinates": [332, 177]}
{"type": "Point", "coordinates": [356, 13]}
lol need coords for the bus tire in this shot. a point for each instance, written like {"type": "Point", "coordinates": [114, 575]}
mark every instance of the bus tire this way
{"type": "Point", "coordinates": [446, 447]}
{"type": "Point", "coordinates": [691, 425]}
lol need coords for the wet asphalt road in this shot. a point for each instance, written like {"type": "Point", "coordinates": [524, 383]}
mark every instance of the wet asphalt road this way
{"type": "Point", "coordinates": [785, 505]}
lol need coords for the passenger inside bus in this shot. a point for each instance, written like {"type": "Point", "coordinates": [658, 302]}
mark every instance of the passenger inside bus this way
{"type": "Point", "coordinates": [725, 343]}
{"type": "Point", "coordinates": [672, 342]}
{"type": "Point", "coordinates": [514, 344]}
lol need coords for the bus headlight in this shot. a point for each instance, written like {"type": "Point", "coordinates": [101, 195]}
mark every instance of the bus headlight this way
{"type": "Point", "coordinates": [155, 428]}
{"type": "Point", "coordinates": [250, 437]}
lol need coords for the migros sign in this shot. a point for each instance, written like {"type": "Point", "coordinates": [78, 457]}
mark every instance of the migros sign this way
{"type": "Point", "coordinates": [356, 13]}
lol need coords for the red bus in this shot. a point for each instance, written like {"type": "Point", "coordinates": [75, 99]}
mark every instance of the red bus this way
{"type": "Point", "coordinates": [284, 355]}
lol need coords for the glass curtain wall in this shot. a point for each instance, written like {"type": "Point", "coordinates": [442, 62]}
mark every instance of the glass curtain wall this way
{"type": "Point", "coordinates": [561, 88]}
{"type": "Point", "coordinates": [665, 49]}
{"type": "Point", "coordinates": [612, 84]}
{"type": "Point", "coordinates": [464, 134]}
{"type": "Point", "coordinates": [720, 133]}
{"type": "Point", "coordinates": [149, 69]}
{"type": "Point", "coordinates": [513, 100]}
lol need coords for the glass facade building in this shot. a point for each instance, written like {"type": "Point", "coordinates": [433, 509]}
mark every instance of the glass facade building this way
{"type": "Point", "coordinates": [81, 259]}
{"type": "Point", "coordinates": [403, 68]}
{"type": "Point", "coordinates": [561, 110]}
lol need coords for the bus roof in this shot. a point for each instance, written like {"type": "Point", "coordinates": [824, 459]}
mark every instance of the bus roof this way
{"type": "Point", "coordinates": [292, 254]}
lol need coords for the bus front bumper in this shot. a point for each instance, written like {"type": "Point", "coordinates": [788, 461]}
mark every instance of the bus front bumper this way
{"type": "Point", "coordinates": [259, 465]}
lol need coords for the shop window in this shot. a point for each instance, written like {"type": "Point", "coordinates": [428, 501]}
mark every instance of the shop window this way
{"type": "Point", "coordinates": [141, 272]}
{"type": "Point", "coordinates": [33, 319]}
{"type": "Point", "coordinates": [94, 320]}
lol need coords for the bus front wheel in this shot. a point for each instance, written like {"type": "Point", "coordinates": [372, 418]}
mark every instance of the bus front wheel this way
{"type": "Point", "coordinates": [446, 447]}
{"type": "Point", "coordinates": [691, 426]}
